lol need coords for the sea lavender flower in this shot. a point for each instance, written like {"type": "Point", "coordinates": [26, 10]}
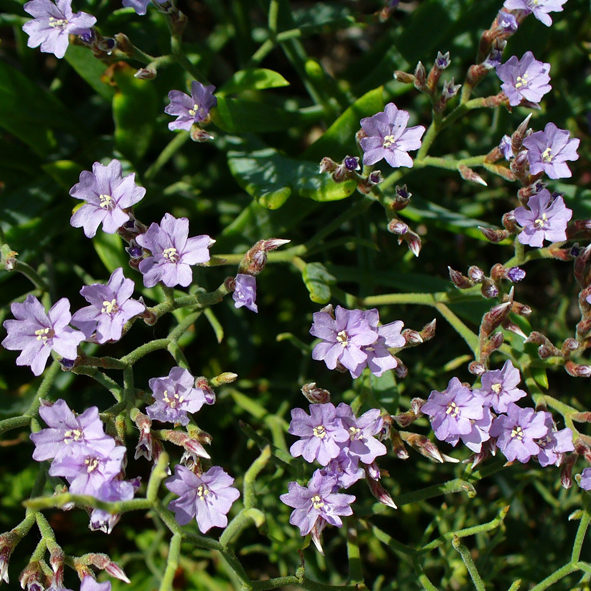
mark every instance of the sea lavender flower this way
{"type": "Point", "coordinates": [343, 338]}
{"type": "Point", "coordinates": [87, 470]}
{"type": "Point", "coordinates": [208, 497]}
{"type": "Point", "coordinates": [517, 431]}
{"type": "Point", "coordinates": [388, 137]}
{"type": "Point", "coordinates": [540, 8]}
{"type": "Point", "coordinates": [499, 387]}
{"type": "Point", "coordinates": [345, 469]}
{"type": "Point", "coordinates": [515, 274]}
{"type": "Point", "coordinates": [173, 252]}
{"type": "Point", "coordinates": [111, 307]}
{"type": "Point", "coordinates": [452, 411]}
{"type": "Point", "coordinates": [36, 333]}
{"type": "Point", "coordinates": [66, 430]}
{"type": "Point", "coordinates": [480, 432]}
{"type": "Point", "coordinates": [362, 444]}
{"type": "Point", "coordinates": [525, 79]}
{"type": "Point", "coordinates": [140, 6]}
{"type": "Point", "coordinates": [190, 109]}
{"type": "Point", "coordinates": [548, 151]}
{"type": "Point", "coordinates": [52, 24]}
{"type": "Point", "coordinates": [245, 292]}
{"type": "Point", "coordinates": [316, 502]}
{"type": "Point", "coordinates": [321, 433]}
{"type": "Point", "coordinates": [107, 194]}
{"type": "Point", "coordinates": [507, 22]}
{"type": "Point", "coordinates": [90, 584]}
{"type": "Point", "coordinates": [112, 491]}
{"type": "Point", "coordinates": [506, 148]}
{"type": "Point", "coordinates": [543, 219]}
{"type": "Point", "coordinates": [585, 480]}
{"type": "Point", "coordinates": [554, 444]}
{"type": "Point", "coordinates": [175, 396]}
{"type": "Point", "coordinates": [389, 336]}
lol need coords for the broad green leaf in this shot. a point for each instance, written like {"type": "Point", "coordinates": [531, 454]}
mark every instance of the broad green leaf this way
{"type": "Point", "coordinates": [318, 281]}
{"type": "Point", "coordinates": [252, 79]}
{"type": "Point", "coordinates": [271, 178]}
{"type": "Point", "coordinates": [135, 107]}
{"type": "Point", "coordinates": [89, 69]}
{"type": "Point", "coordinates": [109, 247]}
{"type": "Point", "coordinates": [65, 172]}
{"type": "Point", "coordinates": [339, 139]}
{"type": "Point", "coordinates": [31, 113]}
{"type": "Point", "coordinates": [240, 116]}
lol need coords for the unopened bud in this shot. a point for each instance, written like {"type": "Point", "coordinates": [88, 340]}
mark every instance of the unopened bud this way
{"type": "Point", "coordinates": [512, 327]}
{"type": "Point", "coordinates": [226, 377]}
{"type": "Point", "coordinates": [489, 289]}
{"type": "Point", "coordinates": [494, 235]}
{"type": "Point", "coordinates": [404, 77]}
{"type": "Point", "coordinates": [412, 337]}
{"type": "Point", "coordinates": [380, 493]}
{"type": "Point", "coordinates": [31, 577]}
{"type": "Point", "coordinates": [420, 77]}
{"type": "Point", "coordinates": [469, 175]}
{"type": "Point", "coordinates": [413, 242]}
{"type": "Point", "coordinates": [570, 345]}
{"type": "Point", "coordinates": [147, 73]}
{"type": "Point", "coordinates": [521, 309]}
{"type": "Point", "coordinates": [398, 446]}
{"type": "Point", "coordinates": [327, 165]}
{"type": "Point", "coordinates": [476, 274]}
{"type": "Point", "coordinates": [577, 370]}
{"type": "Point", "coordinates": [397, 226]}
{"type": "Point", "coordinates": [423, 445]}
{"type": "Point", "coordinates": [428, 331]}
{"type": "Point", "coordinates": [520, 134]}
{"type": "Point", "coordinates": [405, 419]}
{"type": "Point", "coordinates": [200, 135]}
{"type": "Point", "coordinates": [314, 394]}
{"type": "Point", "coordinates": [459, 280]}
{"type": "Point", "coordinates": [566, 471]}
{"type": "Point", "coordinates": [400, 370]}
{"type": "Point", "coordinates": [255, 259]}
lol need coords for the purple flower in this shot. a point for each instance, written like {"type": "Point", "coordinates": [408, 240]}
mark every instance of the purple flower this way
{"type": "Point", "coordinates": [36, 333]}
{"type": "Point", "coordinates": [140, 6]}
{"type": "Point", "coordinates": [175, 396]}
{"type": "Point", "coordinates": [112, 492]}
{"type": "Point", "coordinates": [388, 137]}
{"type": "Point", "coordinates": [544, 219]}
{"type": "Point", "coordinates": [525, 79]}
{"type": "Point", "coordinates": [555, 444]}
{"type": "Point", "coordinates": [344, 469]}
{"type": "Point", "coordinates": [540, 8]}
{"type": "Point", "coordinates": [316, 502]}
{"type": "Point", "coordinates": [548, 151]}
{"type": "Point", "coordinates": [499, 387]}
{"type": "Point", "coordinates": [190, 109]}
{"type": "Point", "coordinates": [480, 432]}
{"type": "Point", "coordinates": [107, 194]}
{"type": "Point", "coordinates": [585, 481]}
{"type": "Point", "coordinates": [452, 411]}
{"type": "Point", "coordinates": [87, 470]}
{"type": "Point", "coordinates": [208, 497]}
{"type": "Point", "coordinates": [362, 444]}
{"type": "Point", "coordinates": [507, 22]}
{"type": "Point", "coordinates": [506, 147]}
{"type": "Point", "coordinates": [173, 252]}
{"type": "Point", "coordinates": [52, 25]}
{"type": "Point", "coordinates": [245, 292]}
{"type": "Point", "coordinates": [515, 274]}
{"type": "Point", "coordinates": [66, 431]}
{"type": "Point", "coordinates": [389, 335]}
{"type": "Point", "coordinates": [343, 338]}
{"type": "Point", "coordinates": [517, 430]}
{"type": "Point", "coordinates": [90, 584]}
{"type": "Point", "coordinates": [111, 307]}
{"type": "Point", "coordinates": [320, 433]}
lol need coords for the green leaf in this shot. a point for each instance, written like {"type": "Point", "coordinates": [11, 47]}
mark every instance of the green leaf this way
{"type": "Point", "coordinates": [109, 247]}
{"type": "Point", "coordinates": [339, 138]}
{"type": "Point", "coordinates": [240, 116]}
{"type": "Point", "coordinates": [29, 112]}
{"type": "Point", "coordinates": [65, 172]}
{"type": "Point", "coordinates": [89, 69]}
{"type": "Point", "coordinates": [270, 177]}
{"type": "Point", "coordinates": [318, 281]}
{"type": "Point", "coordinates": [135, 107]}
{"type": "Point", "coordinates": [252, 79]}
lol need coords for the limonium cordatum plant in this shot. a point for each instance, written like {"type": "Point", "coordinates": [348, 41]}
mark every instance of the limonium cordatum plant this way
{"type": "Point", "coordinates": [295, 295]}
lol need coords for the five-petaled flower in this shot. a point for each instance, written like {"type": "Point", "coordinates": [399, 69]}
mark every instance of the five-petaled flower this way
{"type": "Point", "coordinates": [107, 194]}
{"type": "Point", "coordinates": [173, 252]}
{"type": "Point", "coordinates": [245, 292]}
{"type": "Point", "coordinates": [52, 24]}
{"type": "Point", "coordinates": [540, 8]}
{"type": "Point", "coordinates": [387, 137]}
{"type": "Point", "coordinates": [190, 109]}
{"type": "Point", "coordinates": [207, 497]}
{"type": "Point", "coordinates": [110, 308]}
{"type": "Point", "coordinates": [499, 387]}
{"type": "Point", "coordinates": [543, 219]}
{"type": "Point", "coordinates": [548, 151]}
{"type": "Point", "coordinates": [525, 79]}
{"type": "Point", "coordinates": [36, 333]}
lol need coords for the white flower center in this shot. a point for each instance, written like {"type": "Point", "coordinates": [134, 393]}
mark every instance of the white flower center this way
{"type": "Point", "coordinates": [317, 502]}
{"type": "Point", "coordinates": [58, 23]}
{"type": "Point", "coordinates": [171, 254]}
{"type": "Point", "coordinates": [343, 338]}
{"type": "Point", "coordinates": [106, 202]}
{"type": "Point", "coordinates": [496, 388]}
{"type": "Point", "coordinates": [541, 222]}
{"type": "Point", "coordinates": [44, 334]}
{"type": "Point", "coordinates": [72, 435]}
{"type": "Point", "coordinates": [547, 155]}
{"type": "Point", "coordinates": [453, 410]}
{"type": "Point", "coordinates": [194, 110]}
{"type": "Point", "coordinates": [355, 433]}
{"type": "Point", "coordinates": [319, 432]}
{"type": "Point", "coordinates": [173, 401]}
{"type": "Point", "coordinates": [91, 464]}
{"type": "Point", "coordinates": [521, 81]}
{"type": "Point", "coordinates": [110, 307]}
{"type": "Point", "coordinates": [388, 141]}
{"type": "Point", "coordinates": [517, 432]}
{"type": "Point", "coordinates": [202, 491]}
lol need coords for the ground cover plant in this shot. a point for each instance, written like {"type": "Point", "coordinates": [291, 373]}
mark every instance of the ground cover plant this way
{"type": "Point", "coordinates": [295, 295]}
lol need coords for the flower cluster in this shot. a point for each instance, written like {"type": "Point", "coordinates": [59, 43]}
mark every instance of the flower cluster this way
{"type": "Point", "coordinates": [489, 414]}
{"type": "Point", "coordinates": [353, 340]}
{"type": "Point", "coordinates": [339, 441]}
{"type": "Point", "coordinates": [85, 456]}
{"type": "Point", "coordinates": [539, 8]}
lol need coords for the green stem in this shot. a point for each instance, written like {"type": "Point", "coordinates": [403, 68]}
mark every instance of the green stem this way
{"type": "Point", "coordinates": [353, 553]}
{"type": "Point", "coordinates": [251, 475]}
{"type": "Point", "coordinates": [467, 558]}
{"type": "Point", "coordinates": [580, 537]}
{"type": "Point", "coordinates": [159, 473]}
{"type": "Point", "coordinates": [172, 562]}
{"type": "Point", "coordinates": [240, 523]}
{"type": "Point", "coordinates": [58, 501]}
{"type": "Point", "coordinates": [567, 569]}
{"type": "Point", "coordinates": [178, 355]}
{"type": "Point", "coordinates": [31, 275]}
{"type": "Point", "coordinates": [142, 351]}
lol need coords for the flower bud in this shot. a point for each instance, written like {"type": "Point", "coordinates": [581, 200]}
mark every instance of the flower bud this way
{"type": "Point", "coordinates": [397, 226]}
{"type": "Point", "coordinates": [489, 289]}
{"type": "Point", "coordinates": [200, 135]}
{"type": "Point", "coordinates": [413, 242]}
{"type": "Point", "coordinates": [413, 338]}
{"type": "Point", "coordinates": [183, 440]}
{"type": "Point", "coordinates": [379, 492]}
{"type": "Point", "coordinates": [398, 446]}
{"type": "Point", "coordinates": [459, 280]}
{"type": "Point", "coordinates": [31, 577]}
{"type": "Point", "coordinates": [404, 77]}
{"type": "Point", "coordinates": [570, 345]}
{"type": "Point", "coordinates": [493, 235]}
{"type": "Point", "coordinates": [423, 445]}
{"type": "Point", "coordinates": [469, 175]}
{"type": "Point", "coordinates": [401, 198]}
{"type": "Point", "coordinates": [401, 370]}
{"type": "Point", "coordinates": [566, 471]}
{"type": "Point", "coordinates": [521, 309]}
{"type": "Point", "coordinates": [577, 370]}
{"type": "Point", "coordinates": [476, 274]}
{"type": "Point", "coordinates": [420, 76]}
{"type": "Point", "coordinates": [147, 73]}
{"type": "Point", "coordinates": [520, 134]}
{"type": "Point", "coordinates": [327, 165]}
{"type": "Point", "coordinates": [509, 222]}
{"type": "Point", "coordinates": [405, 419]}
{"type": "Point", "coordinates": [255, 259]}
{"type": "Point", "coordinates": [428, 331]}
{"type": "Point", "coordinates": [103, 562]}
{"type": "Point", "coordinates": [512, 327]}
{"type": "Point", "coordinates": [314, 394]}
